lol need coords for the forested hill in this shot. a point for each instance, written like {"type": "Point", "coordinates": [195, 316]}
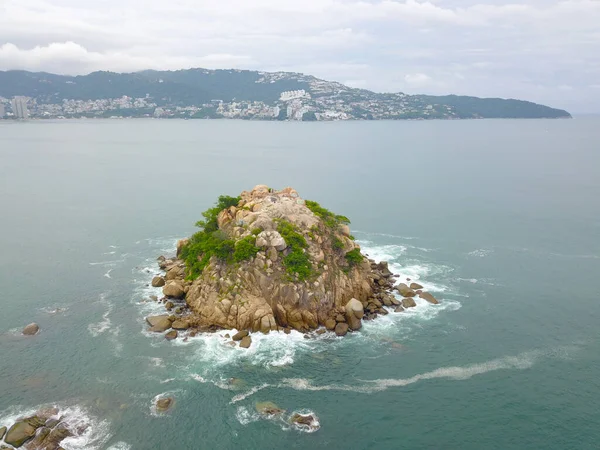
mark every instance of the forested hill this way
{"type": "Point", "coordinates": [197, 87]}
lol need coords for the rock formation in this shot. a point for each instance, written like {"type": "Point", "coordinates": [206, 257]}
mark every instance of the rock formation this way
{"type": "Point", "coordinates": [269, 260]}
{"type": "Point", "coordinates": [44, 430]}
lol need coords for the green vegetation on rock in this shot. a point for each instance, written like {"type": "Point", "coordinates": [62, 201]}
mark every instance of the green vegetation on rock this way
{"type": "Point", "coordinates": [330, 219]}
{"type": "Point", "coordinates": [209, 241]}
{"type": "Point", "coordinates": [296, 261]}
{"type": "Point", "coordinates": [245, 249]}
{"type": "Point", "coordinates": [354, 257]}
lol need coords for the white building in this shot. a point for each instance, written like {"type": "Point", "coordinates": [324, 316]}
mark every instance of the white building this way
{"type": "Point", "coordinates": [19, 107]}
{"type": "Point", "coordinates": [2, 112]}
{"type": "Point", "coordinates": [291, 95]}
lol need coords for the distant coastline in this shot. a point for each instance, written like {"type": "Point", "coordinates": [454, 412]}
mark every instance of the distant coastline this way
{"type": "Point", "coordinates": [236, 94]}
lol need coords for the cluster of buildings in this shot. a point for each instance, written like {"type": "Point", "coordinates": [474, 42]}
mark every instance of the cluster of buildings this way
{"type": "Point", "coordinates": [329, 101]}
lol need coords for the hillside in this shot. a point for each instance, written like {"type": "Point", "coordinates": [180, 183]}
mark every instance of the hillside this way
{"type": "Point", "coordinates": [202, 93]}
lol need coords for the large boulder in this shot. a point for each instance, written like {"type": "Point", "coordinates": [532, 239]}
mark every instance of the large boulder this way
{"type": "Point", "coordinates": [20, 433]}
{"type": "Point", "coordinates": [408, 302]}
{"type": "Point", "coordinates": [171, 335]}
{"type": "Point", "coordinates": [405, 291]}
{"type": "Point", "coordinates": [173, 289]}
{"type": "Point", "coordinates": [158, 281]}
{"type": "Point", "coordinates": [2, 432]}
{"type": "Point", "coordinates": [268, 408]}
{"type": "Point", "coordinates": [341, 329]}
{"type": "Point", "coordinates": [330, 324]}
{"type": "Point", "coordinates": [31, 329]}
{"type": "Point", "coordinates": [415, 286]}
{"type": "Point", "coordinates": [180, 325]}
{"type": "Point", "coordinates": [430, 298]}
{"type": "Point", "coordinates": [158, 324]}
{"type": "Point", "coordinates": [354, 314]}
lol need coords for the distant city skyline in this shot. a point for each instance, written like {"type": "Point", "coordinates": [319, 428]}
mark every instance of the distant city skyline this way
{"type": "Point", "coordinates": [545, 51]}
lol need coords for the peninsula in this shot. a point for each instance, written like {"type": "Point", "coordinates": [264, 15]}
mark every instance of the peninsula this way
{"type": "Point", "coordinates": [270, 261]}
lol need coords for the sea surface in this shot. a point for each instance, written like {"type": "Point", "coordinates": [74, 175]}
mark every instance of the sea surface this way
{"type": "Point", "coordinates": [500, 219]}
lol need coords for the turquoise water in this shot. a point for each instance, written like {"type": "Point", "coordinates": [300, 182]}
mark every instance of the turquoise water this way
{"type": "Point", "coordinates": [500, 219]}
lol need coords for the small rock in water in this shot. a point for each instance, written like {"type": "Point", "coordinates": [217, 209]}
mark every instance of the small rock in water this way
{"type": "Point", "coordinates": [321, 331]}
{"type": "Point", "coordinates": [341, 329]}
{"type": "Point", "coordinates": [163, 404]}
{"type": "Point", "coordinates": [240, 335]}
{"type": "Point", "coordinates": [307, 421]}
{"type": "Point", "coordinates": [246, 342]}
{"type": "Point", "coordinates": [269, 408]}
{"type": "Point", "coordinates": [171, 335]}
{"type": "Point", "coordinates": [415, 286]}
{"type": "Point", "coordinates": [31, 329]}
{"type": "Point", "coordinates": [430, 298]}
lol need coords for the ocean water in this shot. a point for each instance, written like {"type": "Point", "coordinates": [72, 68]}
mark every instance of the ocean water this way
{"type": "Point", "coordinates": [499, 219]}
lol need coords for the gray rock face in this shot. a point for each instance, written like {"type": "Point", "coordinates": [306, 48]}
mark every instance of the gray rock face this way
{"type": "Point", "coordinates": [31, 329]}
{"type": "Point", "coordinates": [273, 239]}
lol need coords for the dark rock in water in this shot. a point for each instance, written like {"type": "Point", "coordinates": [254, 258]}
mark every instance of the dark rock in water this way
{"type": "Point", "coordinates": [268, 408]}
{"type": "Point", "coordinates": [330, 324]}
{"type": "Point", "coordinates": [19, 433]}
{"type": "Point", "coordinates": [171, 335]}
{"type": "Point", "coordinates": [340, 318]}
{"type": "Point", "coordinates": [321, 331]}
{"type": "Point", "coordinates": [57, 435]}
{"type": "Point", "coordinates": [304, 420]}
{"type": "Point", "coordinates": [158, 324]}
{"type": "Point", "coordinates": [383, 312]}
{"type": "Point", "coordinates": [341, 329]}
{"type": "Point", "coordinates": [163, 404]}
{"type": "Point", "coordinates": [408, 302]}
{"type": "Point", "coordinates": [31, 329]}
{"type": "Point", "coordinates": [430, 298]}
{"type": "Point", "coordinates": [169, 305]}
{"type": "Point", "coordinates": [158, 282]}
{"type": "Point", "coordinates": [287, 330]}
{"type": "Point", "coordinates": [173, 289]}
{"type": "Point", "coordinates": [240, 335]}
{"type": "Point", "coordinates": [415, 286]}
{"type": "Point", "coordinates": [399, 309]}
{"type": "Point", "coordinates": [246, 342]}
{"type": "Point", "coordinates": [2, 432]}
{"type": "Point", "coordinates": [40, 437]}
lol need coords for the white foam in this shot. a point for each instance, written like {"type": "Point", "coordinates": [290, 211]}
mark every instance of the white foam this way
{"type": "Point", "coordinates": [90, 432]}
{"type": "Point", "coordinates": [314, 426]}
{"type": "Point", "coordinates": [522, 361]}
{"type": "Point", "coordinates": [172, 394]}
{"type": "Point", "coordinates": [96, 329]}
{"type": "Point", "coordinates": [107, 263]}
{"type": "Point", "coordinates": [247, 416]}
{"type": "Point", "coordinates": [481, 252]}
{"type": "Point", "coordinates": [245, 395]}
{"type": "Point", "coordinates": [120, 446]}
{"type": "Point", "coordinates": [107, 274]}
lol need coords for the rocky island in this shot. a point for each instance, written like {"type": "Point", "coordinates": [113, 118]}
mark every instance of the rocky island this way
{"type": "Point", "coordinates": [271, 261]}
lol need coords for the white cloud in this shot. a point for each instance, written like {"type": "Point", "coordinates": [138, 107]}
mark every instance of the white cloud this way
{"type": "Point", "coordinates": [480, 47]}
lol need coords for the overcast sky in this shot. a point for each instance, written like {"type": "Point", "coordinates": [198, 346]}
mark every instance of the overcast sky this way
{"type": "Point", "coordinates": [545, 51]}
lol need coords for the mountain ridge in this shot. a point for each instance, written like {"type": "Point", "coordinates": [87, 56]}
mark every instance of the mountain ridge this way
{"type": "Point", "coordinates": [204, 89]}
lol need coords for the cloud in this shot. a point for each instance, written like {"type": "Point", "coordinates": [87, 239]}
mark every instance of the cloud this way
{"type": "Point", "coordinates": [497, 48]}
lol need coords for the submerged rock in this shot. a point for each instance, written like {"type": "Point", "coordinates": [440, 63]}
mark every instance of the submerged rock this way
{"type": "Point", "coordinates": [430, 298]}
{"type": "Point", "coordinates": [164, 404]}
{"type": "Point", "coordinates": [308, 421]}
{"type": "Point", "coordinates": [31, 329]}
{"type": "Point", "coordinates": [268, 408]}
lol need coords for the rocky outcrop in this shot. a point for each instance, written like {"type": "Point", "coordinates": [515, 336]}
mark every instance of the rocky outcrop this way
{"type": "Point", "coordinates": [245, 342]}
{"type": "Point", "coordinates": [164, 404]}
{"type": "Point", "coordinates": [2, 432]}
{"type": "Point", "coordinates": [31, 329]}
{"type": "Point", "coordinates": [40, 431]}
{"type": "Point", "coordinates": [284, 263]}
{"type": "Point", "coordinates": [158, 324]}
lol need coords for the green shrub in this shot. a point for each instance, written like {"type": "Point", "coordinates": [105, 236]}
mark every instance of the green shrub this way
{"type": "Point", "coordinates": [245, 249]}
{"type": "Point", "coordinates": [297, 260]}
{"type": "Point", "coordinates": [337, 243]}
{"type": "Point", "coordinates": [209, 241]}
{"type": "Point", "coordinates": [330, 219]}
{"type": "Point", "coordinates": [354, 257]}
